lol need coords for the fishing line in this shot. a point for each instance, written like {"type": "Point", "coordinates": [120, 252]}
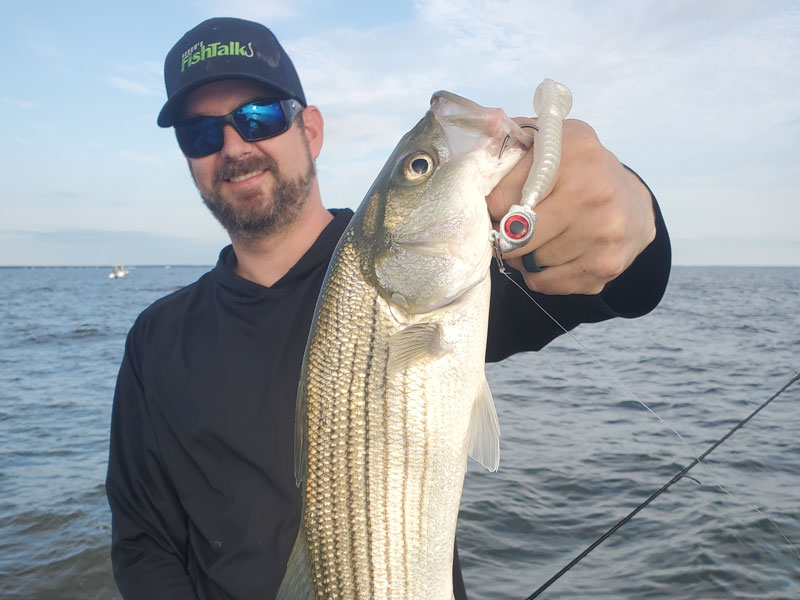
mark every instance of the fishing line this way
{"type": "Point", "coordinates": [622, 385]}
{"type": "Point", "coordinates": [612, 375]}
{"type": "Point", "coordinates": [680, 475]}
{"type": "Point", "coordinates": [657, 493]}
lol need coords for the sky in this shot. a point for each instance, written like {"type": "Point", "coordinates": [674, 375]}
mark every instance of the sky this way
{"type": "Point", "coordinates": [702, 99]}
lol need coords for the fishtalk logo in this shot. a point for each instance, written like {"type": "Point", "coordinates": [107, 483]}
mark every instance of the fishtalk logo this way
{"type": "Point", "coordinates": [200, 52]}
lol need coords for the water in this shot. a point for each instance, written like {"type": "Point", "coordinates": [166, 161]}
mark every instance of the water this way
{"type": "Point", "coordinates": [578, 452]}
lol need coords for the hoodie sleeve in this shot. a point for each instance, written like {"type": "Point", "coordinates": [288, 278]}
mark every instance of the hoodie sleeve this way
{"type": "Point", "coordinates": [517, 325]}
{"type": "Point", "coordinates": [148, 524]}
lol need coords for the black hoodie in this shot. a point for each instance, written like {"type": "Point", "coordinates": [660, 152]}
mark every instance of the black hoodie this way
{"type": "Point", "coordinates": [201, 468]}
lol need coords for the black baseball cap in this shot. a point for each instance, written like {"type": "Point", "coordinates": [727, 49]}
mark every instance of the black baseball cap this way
{"type": "Point", "coordinates": [226, 48]}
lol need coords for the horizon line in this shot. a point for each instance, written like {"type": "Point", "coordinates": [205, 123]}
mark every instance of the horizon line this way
{"type": "Point", "coordinates": [211, 265]}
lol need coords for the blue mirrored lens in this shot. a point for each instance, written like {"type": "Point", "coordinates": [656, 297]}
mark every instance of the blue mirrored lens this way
{"type": "Point", "coordinates": [256, 121]}
{"type": "Point", "coordinates": [200, 137]}
{"type": "Point", "coordinates": [259, 121]}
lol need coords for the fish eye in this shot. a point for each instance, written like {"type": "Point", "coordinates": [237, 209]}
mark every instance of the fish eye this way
{"type": "Point", "coordinates": [418, 166]}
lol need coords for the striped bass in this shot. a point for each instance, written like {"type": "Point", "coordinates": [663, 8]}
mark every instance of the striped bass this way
{"type": "Point", "coordinates": [393, 395]}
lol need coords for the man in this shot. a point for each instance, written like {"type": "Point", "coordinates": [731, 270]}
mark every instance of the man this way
{"type": "Point", "coordinates": [200, 478]}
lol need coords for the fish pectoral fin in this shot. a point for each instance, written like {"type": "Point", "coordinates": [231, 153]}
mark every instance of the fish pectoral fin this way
{"type": "Point", "coordinates": [415, 343]}
{"type": "Point", "coordinates": [483, 436]}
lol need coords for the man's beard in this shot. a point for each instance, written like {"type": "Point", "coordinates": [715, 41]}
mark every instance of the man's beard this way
{"type": "Point", "coordinates": [253, 217]}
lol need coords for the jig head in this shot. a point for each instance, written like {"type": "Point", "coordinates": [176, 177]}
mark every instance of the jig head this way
{"type": "Point", "coordinates": [552, 102]}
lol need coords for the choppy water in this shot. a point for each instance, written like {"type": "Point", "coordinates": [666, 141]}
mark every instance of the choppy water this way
{"type": "Point", "coordinates": [578, 452]}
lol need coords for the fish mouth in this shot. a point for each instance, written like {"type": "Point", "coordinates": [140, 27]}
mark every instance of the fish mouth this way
{"type": "Point", "coordinates": [466, 123]}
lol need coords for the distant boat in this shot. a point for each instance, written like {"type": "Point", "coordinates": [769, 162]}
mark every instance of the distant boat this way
{"type": "Point", "coordinates": [118, 272]}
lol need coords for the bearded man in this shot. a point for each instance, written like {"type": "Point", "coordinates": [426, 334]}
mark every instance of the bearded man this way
{"type": "Point", "coordinates": [201, 468]}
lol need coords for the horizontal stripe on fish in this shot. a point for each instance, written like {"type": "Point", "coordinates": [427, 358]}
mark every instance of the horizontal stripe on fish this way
{"type": "Point", "coordinates": [393, 391]}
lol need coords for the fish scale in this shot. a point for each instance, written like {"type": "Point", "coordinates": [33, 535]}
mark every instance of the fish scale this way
{"type": "Point", "coordinates": [393, 393]}
{"type": "Point", "coordinates": [369, 461]}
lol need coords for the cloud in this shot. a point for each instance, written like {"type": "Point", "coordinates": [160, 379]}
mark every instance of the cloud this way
{"type": "Point", "coordinates": [21, 104]}
{"type": "Point", "coordinates": [701, 98]}
{"type": "Point", "coordinates": [681, 63]}
{"type": "Point", "coordinates": [134, 87]}
{"type": "Point", "coordinates": [142, 79]}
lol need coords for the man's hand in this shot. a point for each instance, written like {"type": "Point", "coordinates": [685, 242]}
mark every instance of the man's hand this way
{"type": "Point", "coordinates": [595, 220]}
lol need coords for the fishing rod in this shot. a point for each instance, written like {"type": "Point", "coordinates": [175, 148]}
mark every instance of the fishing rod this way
{"type": "Point", "coordinates": [655, 495]}
{"type": "Point", "coordinates": [502, 268]}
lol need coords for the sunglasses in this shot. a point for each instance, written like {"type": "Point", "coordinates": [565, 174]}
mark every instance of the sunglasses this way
{"type": "Point", "coordinates": [254, 121]}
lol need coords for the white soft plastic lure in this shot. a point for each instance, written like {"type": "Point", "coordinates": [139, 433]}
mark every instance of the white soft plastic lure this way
{"type": "Point", "coordinates": [552, 102]}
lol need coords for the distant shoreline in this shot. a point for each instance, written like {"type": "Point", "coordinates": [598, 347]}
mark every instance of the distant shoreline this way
{"type": "Point", "coordinates": [108, 266]}
{"type": "Point", "coordinates": [193, 266]}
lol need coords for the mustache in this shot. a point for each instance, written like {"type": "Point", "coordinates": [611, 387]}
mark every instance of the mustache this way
{"type": "Point", "coordinates": [247, 165]}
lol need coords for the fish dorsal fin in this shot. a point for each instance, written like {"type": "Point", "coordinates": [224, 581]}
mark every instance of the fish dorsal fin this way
{"type": "Point", "coordinates": [413, 344]}
{"type": "Point", "coordinates": [483, 436]}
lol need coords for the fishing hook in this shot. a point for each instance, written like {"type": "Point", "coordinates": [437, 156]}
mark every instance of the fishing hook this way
{"type": "Point", "coordinates": [508, 137]}
{"type": "Point", "coordinates": [494, 237]}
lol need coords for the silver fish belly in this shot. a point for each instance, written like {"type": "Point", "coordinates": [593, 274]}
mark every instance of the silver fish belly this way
{"type": "Point", "coordinates": [393, 395]}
